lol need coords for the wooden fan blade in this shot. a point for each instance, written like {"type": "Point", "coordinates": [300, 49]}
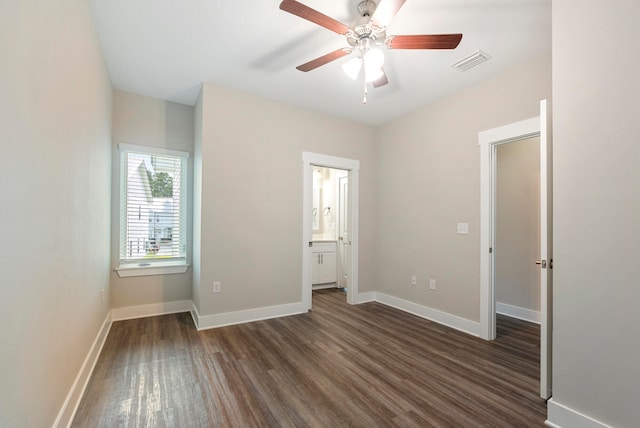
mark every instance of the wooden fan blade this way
{"type": "Point", "coordinates": [305, 12]}
{"type": "Point", "coordinates": [385, 12]}
{"type": "Point", "coordinates": [424, 41]}
{"type": "Point", "coordinates": [324, 59]}
{"type": "Point", "coordinates": [381, 81]}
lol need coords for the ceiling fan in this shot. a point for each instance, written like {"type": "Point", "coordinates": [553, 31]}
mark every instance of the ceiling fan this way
{"type": "Point", "coordinates": [366, 37]}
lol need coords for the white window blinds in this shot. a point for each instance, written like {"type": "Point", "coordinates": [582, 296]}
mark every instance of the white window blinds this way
{"type": "Point", "coordinates": [153, 205]}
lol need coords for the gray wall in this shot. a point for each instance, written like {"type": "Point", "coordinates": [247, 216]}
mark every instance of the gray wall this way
{"type": "Point", "coordinates": [55, 175]}
{"type": "Point", "coordinates": [428, 179]}
{"type": "Point", "coordinates": [149, 122]}
{"type": "Point", "coordinates": [596, 341]}
{"type": "Point", "coordinates": [250, 197]}
{"type": "Point", "coordinates": [517, 277]}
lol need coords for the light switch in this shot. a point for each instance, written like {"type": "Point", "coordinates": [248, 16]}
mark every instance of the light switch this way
{"type": "Point", "coordinates": [463, 228]}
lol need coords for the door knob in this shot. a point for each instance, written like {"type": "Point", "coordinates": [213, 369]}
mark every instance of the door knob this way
{"type": "Point", "coordinates": [542, 263]}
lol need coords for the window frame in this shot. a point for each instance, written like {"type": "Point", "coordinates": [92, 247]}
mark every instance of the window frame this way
{"type": "Point", "coordinates": [144, 267]}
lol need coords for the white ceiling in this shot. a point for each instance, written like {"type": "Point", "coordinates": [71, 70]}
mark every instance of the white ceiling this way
{"type": "Point", "coordinates": [167, 48]}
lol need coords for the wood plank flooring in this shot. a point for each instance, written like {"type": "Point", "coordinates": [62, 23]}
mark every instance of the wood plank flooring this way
{"type": "Point", "coordinates": [338, 366]}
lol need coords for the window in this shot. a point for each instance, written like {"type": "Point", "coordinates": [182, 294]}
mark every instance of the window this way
{"type": "Point", "coordinates": [153, 211]}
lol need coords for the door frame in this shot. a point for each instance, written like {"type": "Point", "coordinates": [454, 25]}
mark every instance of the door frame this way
{"type": "Point", "coordinates": [310, 160]}
{"type": "Point", "coordinates": [489, 141]}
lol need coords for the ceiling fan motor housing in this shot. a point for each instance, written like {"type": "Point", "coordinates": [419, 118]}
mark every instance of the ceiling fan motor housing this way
{"type": "Point", "coordinates": [366, 8]}
{"type": "Point", "coordinates": [364, 34]}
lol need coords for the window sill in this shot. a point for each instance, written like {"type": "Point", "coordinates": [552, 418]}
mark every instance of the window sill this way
{"type": "Point", "coordinates": [147, 269]}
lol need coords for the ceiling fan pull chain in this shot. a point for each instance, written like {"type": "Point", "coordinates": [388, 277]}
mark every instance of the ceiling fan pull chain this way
{"type": "Point", "coordinates": [364, 86]}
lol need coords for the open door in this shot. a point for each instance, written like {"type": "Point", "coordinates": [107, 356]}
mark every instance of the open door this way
{"type": "Point", "coordinates": [344, 237]}
{"type": "Point", "coordinates": [546, 245]}
{"type": "Point", "coordinates": [488, 141]}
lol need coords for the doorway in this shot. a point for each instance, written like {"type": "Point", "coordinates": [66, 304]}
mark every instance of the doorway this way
{"type": "Point", "coordinates": [330, 265]}
{"type": "Point", "coordinates": [489, 141]}
{"type": "Point", "coordinates": [517, 226]}
{"type": "Point", "coordinates": [338, 221]}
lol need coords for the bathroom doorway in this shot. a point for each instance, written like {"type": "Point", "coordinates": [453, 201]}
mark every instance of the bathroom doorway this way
{"type": "Point", "coordinates": [330, 246]}
{"type": "Point", "coordinates": [330, 228]}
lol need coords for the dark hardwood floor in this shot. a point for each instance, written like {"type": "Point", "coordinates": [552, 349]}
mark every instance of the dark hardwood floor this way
{"type": "Point", "coordinates": [361, 366]}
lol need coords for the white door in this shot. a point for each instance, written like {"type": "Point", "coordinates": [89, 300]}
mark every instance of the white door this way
{"type": "Point", "coordinates": [546, 255]}
{"type": "Point", "coordinates": [488, 140]}
{"type": "Point", "coordinates": [344, 238]}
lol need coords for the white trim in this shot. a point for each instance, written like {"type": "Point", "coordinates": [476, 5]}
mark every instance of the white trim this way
{"type": "Point", "coordinates": [444, 318]}
{"type": "Point", "coordinates": [488, 141]}
{"type": "Point", "coordinates": [369, 296]}
{"type": "Point", "coordinates": [559, 415]}
{"type": "Point", "coordinates": [518, 312]}
{"type": "Point", "coordinates": [268, 312]}
{"type": "Point", "coordinates": [324, 286]}
{"type": "Point", "coordinates": [72, 401]}
{"type": "Point", "coordinates": [195, 315]}
{"type": "Point", "coordinates": [546, 250]}
{"type": "Point", "coordinates": [353, 166]}
{"type": "Point", "coordinates": [125, 147]}
{"type": "Point", "coordinates": [157, 268]}
{"type": "Point", "coordinates": [150, 310]}
{"type": "Point", "coordinates": [246, 315]}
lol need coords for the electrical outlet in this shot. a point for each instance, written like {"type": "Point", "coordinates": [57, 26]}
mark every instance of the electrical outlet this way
{"type": "Point", "coordinates": [414, 280]}
{"type": "Point", "coordinates": [216, 286]}
{"type": "Point", "coordinates": [432, 284]}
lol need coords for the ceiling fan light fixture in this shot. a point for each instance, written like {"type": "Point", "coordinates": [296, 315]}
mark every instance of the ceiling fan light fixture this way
{"type": "Point", "coordinates": [373, 61]}
{"type": "Point", "coordinates": [373, 74]}
{"type": "Point", "coordinates": [352, 67]}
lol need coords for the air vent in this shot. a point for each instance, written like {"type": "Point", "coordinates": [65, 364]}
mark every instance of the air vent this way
{"type": "Point", "coordinates": [478, 57]}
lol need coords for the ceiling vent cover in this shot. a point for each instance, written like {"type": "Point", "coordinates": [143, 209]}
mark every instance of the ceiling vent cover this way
{"type": "Point", "coordinates": [476, 58]}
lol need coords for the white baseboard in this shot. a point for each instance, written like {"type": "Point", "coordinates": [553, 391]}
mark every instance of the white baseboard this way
{"type": "Point", "coordinates": [153, 309]}
{"type": "Point", "coordinates": [453, 321]}
{"type": "Point", "coordinates": [369, 296]}
{"type": "Point", "coordinates": [518, 312]}
{"type": "Point", "coordinates": [72, 401]}
{"type": "Point", "coordinates": [246, 315]}
{"type": "Point", "coordinates": [561, 416]}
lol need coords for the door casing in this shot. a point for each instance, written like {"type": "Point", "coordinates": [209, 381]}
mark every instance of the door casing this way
{"type": "Point", "coordinates": [488, 141]}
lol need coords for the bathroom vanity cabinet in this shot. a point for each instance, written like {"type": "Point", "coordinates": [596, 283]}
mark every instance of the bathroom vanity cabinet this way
{"type": "Point", "coordinates": [324, 263]}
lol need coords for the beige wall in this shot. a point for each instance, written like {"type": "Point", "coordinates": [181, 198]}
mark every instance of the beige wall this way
{"type": "Point", "coordinates": [517, 278]}
{"type": "Point", "coordinates": [251, 197]}
{"type": "Point", "coordinates": [55, 175]}
{"type": "Point", "coordinates": [596, 346]}
{"type": "Point", "coordinates": [428, 180]}
{"type": "Point", "coordinates": [148, 122]}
